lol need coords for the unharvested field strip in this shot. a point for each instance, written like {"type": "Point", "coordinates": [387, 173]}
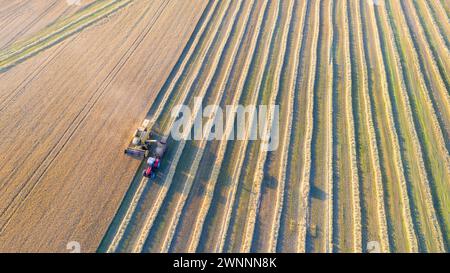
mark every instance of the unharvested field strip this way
{"type": "Point", "coordinates": [425, 118]}
{"type": "Point", "coordinates": [203, 22]}
{"type": "Point", "coordinates": [21, 51]}
{"type": "Point", "coordinates": [164, 231]}
{"type": "Point", "coordinates": [392, 138]}
{"type": "Point", "coordinates": [373, 183]}
{"type": "Point", "coordinates": [208, 40]}
{"type": "Point", "coordinates": [269, 214]}
{"type": "Point", "coordinates": [306, 170]}
{"type": "Point", "coordinates": [192, 238]}
{"type": "Point", "coordinates": [411, 148]}
{"type": "Point", "coordinates": [257, 176]}
{"type": "Point", "coordinates": [214, 231]}
{"type": "Point", "coordinates": [151, 215]}
{"type": "Point", "coordinates": [26, 188]}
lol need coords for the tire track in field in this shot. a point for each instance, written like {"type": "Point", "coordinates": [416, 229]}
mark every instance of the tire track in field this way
{"type": "Point", "coordinates": [28, 187]}
{"type": "Point", "coordinates": [393, 136]}
{"type": "Point", "coordinates": [195, 232]}
{"type": "Point", "coordinates": [174, 221]}
{"type": "Point", "coordinates": [151, 215]}
{"type": "Point", "coordinates": [5, 102]}
{"type": "Point", "coordinates": [196, 45]}
{"type": "Point", "coordinates": [412, 133]}
{"type": "Point", "coordinates": [21, 51]}
{"type": "Point", "coordinates": [29, 25]}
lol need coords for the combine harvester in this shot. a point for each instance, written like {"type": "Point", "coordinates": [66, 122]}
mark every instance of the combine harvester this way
{"type": "Point", "coordinates": [144, 148]}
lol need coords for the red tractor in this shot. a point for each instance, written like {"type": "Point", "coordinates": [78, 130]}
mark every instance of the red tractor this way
{"type": "Point", "coordinates": [154, 161]}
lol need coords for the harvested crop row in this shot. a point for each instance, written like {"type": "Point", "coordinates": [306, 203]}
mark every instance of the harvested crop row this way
{"type": "Point", "coordinates": [113, 244]}
{"type": "Point", "coordinates": [356, 202]}
{"type": "Point", "coordinates": [434, 79]}
{"type": "Point", "coordinates": [168, 179]}
{"type": "Point", "coordinates": [430, 134]}
{"type": "Point", "coordinates": [305, 174]}
{"type": "Point", "coordinates": [433, 32]}
{"type": "Point", "coordinates": [289, 229]}
{"type": "Point", "coordinates": [376, 229]}
{"type": "Point", "coordinates": [390, 147]}
{"type": "Point", "coordinates": [214, 232]}
{"type": "Point", "coordinates": [429, 232]}
{"type": "Point", "coordinates": [161, 235]}
{"type": "Point", "coordinates": [320, 171]}
{"type": "Point", "coordinates": [347, 226]}
{"type": "Point", "coordinates": [257, 176]}
{"type": "Point", "coordinates": [189, 229]}
{"type": "Point", "coordinates": [441, 11]}
{"type": "Point", "coordinates": [237, 238]}
{"type": "Point", "coordinates": [269, 214]}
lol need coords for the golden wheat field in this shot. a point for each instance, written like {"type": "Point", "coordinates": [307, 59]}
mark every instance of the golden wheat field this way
{"type": "Point", "coordinates": [363, 155]}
